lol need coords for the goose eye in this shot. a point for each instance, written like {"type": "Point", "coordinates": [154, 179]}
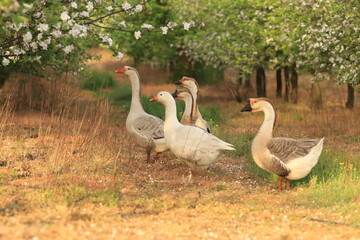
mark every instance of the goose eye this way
{"type": "Point", "coordinates": [161, 94]}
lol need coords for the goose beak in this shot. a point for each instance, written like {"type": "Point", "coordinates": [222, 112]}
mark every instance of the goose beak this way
{"type": "Point", "coordinates": [180, 82]}
{"type": "Point", "coordinates": [154, 99]}
{"type": "Point", "coordinates": [175, 93]}
{"type": "Point", "coordinates": [121, 70]}
{"type": "Point", "coordinates": [247, 108]}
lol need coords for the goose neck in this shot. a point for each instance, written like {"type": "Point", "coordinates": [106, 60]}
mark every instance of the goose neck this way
{"type": "Point", "coordinates": [136, 92]}
{"type": "Point", "coordinates": [170, 114]}
{"type": "Point", "coordinates": [188, 111]}
{"type": "Point", "coordinates": [265, 132]}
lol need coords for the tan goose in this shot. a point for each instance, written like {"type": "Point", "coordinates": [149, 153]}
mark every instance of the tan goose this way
{"type": "Point", "coordinates": [192, 85]}
{"type": "Point", "coordinates": [195, 146]}
{"type": "Point", "coordinates": [187, 98]}
{"type": "Point", "coordinates": [289, 158]}
{"type": "Point", "coordinates": [147, 129]}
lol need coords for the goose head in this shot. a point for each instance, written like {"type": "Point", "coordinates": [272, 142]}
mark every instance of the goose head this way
{"type": "Point", "coordinates": [189, 83]}
{"type": "Point", "coordinates": [162, 97]}
{"type": "Point", "coordinates": [257, 105]}
{"type": "Point", "coordinates": [130, 71]}
{"type": "Point", "coordinates": [181, 94]}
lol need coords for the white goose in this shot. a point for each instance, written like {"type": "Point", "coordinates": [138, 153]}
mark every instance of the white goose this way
{"type": "Point", "coordinates": [147, 129]}
{"type": "Point", "coordinates": [187, 98]}
{"type": "Point", "coordinates": [196, 147]}
{"type": "Point", "coordinates": [289, 158]}
{"type": "Point", "coordinates": [192, 85]}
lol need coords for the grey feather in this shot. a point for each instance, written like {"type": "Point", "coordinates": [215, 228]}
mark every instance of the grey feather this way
{"type": "Point", "coordinates": [287, 149]}
{"type": "Point", "coordinates": [149, 126]}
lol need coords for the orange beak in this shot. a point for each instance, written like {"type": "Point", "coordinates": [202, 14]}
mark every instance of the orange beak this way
{"type": "Point", "coordinates": [121, 70]}
{"type": "Point", "coordinates": [154, 99]}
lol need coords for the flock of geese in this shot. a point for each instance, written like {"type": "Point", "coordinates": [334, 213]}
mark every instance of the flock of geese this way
{"type": "Point", "coordinates": [191, 140]}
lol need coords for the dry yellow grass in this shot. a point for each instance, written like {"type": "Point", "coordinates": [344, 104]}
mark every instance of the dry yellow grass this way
{"type": "Point", "coordinates": [79, 176]}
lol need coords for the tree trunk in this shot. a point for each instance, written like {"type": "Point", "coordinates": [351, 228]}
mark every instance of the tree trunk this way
{"type": "Point", "coordinates": [278, 83]}
{"type": "Point", "coordinates": [248, 87]}
{"type": "Point", "coordinates": [238, 97]}
{"type": "Point", "coordinates": [294, 84]}
{"type": "Point", "coordinates": [315, 97]}
{"type": "Point", "coordinates": [248, 82]}
{"type": "Point", "coordinates": [287, 83]}
{"type": "Point", "coordinates": [350, 97]}
{"type": "Point", "coordinates": [260, 82]}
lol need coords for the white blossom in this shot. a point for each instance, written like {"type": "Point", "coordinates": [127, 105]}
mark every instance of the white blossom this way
{"type": "Point", "coordinates": [106, 39]}
{"type": "Point", "coordinates": [56, 33]}
{"type": "Point", "coordinates": [43, 27]}
{"type": "Point", "coordinates": [78, 30]}
{"type": "Point", "coordinates": [109, 8]}
{"type": "Point", "coordinates": [138, 8]}
{"type": "Point", "coordinates": [186, 25]}
{"type": "Point", "coordinates": [27, 37]}
{"type": "Point", "coordinates": [147, 26]}
{"type": "Point", "coordinates": [5, 62]}
{"type": "Point", "coordinates": [164, 30]}
{"type": "Point", "coordinates": [171, 25]}
{"type": "Point", "coordinates": [84, 14]}
{"type": "Point", "coordinates": [64, 16]}
{"type": "Point", "coordinates": [137, 35]}
{"type": "Point", "coordinates": [90, 6]}
{"type": "Point", "coordinates": [28, 6]}
{"type": "Point", "coordinates": [38, 14]}
{"type": "Point", "coordinates": [122, 24]}
{"type": "Point", "coordinates": [126, 6]}
{"type": "Point", "coordinates": [68, 48]}
{"type": "Point", "coordinates": [43, 45]}
{"type": "Point", "coordinates": [119, 56]}
{"type": "Point", "coordinates": [34, 46]}
{"type": "Point", "coordinates": [74, 5]}
{"type": "Point", "coordinates": [39, 36]}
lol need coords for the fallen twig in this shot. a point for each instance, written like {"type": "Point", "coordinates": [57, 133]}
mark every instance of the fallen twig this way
{"type": "Point", "coordinates": [333, 222]}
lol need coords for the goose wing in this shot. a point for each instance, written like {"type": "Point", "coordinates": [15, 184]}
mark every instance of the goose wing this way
{"type": "Point", "coordinates": [287, 149]}
{"type": "Point", "coordinates": [149, 126]}
{"type": "Point", "coordinates": [276, 166]}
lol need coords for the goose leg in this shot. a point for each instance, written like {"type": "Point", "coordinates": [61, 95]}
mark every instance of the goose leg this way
{"type": "Point", "coordinates": [280, 183]}
{"type": "Point", "coordinates": [157, 155]}
{"type": "Point", "coordinates": [148, 158]}
{"type": "Point", "coordinates": [287, 187]}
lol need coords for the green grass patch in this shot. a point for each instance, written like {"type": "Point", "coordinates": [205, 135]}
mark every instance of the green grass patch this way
{"type": "Point", "coordinates": [332, 165]}
{"type": "Point", "coordinates": [95, 80]}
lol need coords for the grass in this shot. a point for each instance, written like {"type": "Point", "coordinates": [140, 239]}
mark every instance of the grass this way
{"type": "Point", "coordinates": [95, 80]}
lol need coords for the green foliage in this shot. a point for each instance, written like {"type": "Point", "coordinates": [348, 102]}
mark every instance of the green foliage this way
{"type": "Point", "coordinates": [212, 114]}
{"type": "Point", "coordinates": [95, 80]}
{"type": "Point", "coordinates": [341, 190]}
{"type": "Point", "coordinates": [77, 194]}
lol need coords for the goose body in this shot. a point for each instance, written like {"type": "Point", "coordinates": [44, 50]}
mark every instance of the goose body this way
{"type": "Point", "coordinates": [192, 85]}
{"type": "Point", "coordinates": [289, 158]}
{"type": "Point", "coordinates": [195, 146]}
{"type": "Point", "coordinates": [147, 129]}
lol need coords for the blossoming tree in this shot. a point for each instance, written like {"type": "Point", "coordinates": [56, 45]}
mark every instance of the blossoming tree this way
{"type": "Point", "coordinates": [56, 34]}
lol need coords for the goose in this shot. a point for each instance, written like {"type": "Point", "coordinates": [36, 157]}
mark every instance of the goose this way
{"type": "Point", "coordinates": [288, 158]}
{"type": "Point", "coordinates": [192, 85]}
{"type": "Point", "coordinates": [193, 145]}
{"type": "Point", "coordinates": [147, 129]}
{"type": "Point", "coordinates": [187, 98]}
